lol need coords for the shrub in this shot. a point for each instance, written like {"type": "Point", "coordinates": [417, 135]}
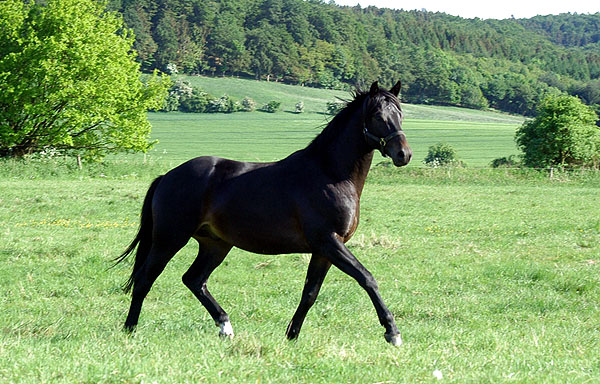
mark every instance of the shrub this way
{"type": "Point", "coordinates": [271, 106]}
{"type": "Point", "coordinates": [224, 104]}
{"type": "Point", "coordinates": [334, 107]}
{"type": "Point", "coordinates": [441, 154]}
{"type": "Point", "coordinates": [171, 103]}
{"type": "Point", "coordinates": [509, 161]}
{"type": "Point", "coordinates": [248, 105]}
{"type": "Point", "coordinates": [564, 133]}
{"type": "Point", "coordinates": [70, 81]}
{"type": "Point", "coordinates": [198, 101]}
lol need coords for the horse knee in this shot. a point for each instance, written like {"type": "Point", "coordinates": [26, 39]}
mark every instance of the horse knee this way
{"type": "Point", "coordinates": [370, 283]}
{"type": "Point", "coordinates": [193, 283]}
{"type": "Point", "coordinates": [187, 280]}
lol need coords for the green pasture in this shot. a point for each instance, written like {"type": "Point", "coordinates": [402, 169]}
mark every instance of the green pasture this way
{"type": "Point", "coordinates": [478, 136]}
{"type": "Point", "coordinates": [262, 136]}
{"type": "Point", "coordinates": [492, 275]}
{"type": "Point", "coordinates": [315, 99]}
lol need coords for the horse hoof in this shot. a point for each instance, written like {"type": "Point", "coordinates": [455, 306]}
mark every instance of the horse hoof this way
{"type": "Point", "coordinates": [395, 340]}
{"type": "Point", "coordinates": [226, 330]}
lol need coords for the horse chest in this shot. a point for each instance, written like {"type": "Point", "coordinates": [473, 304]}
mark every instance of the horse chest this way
{"type": "Point", "coordinates": [342, 206]}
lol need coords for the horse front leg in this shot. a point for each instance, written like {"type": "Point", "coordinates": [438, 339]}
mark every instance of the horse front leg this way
{"type": "Point", "coordinates": [339, 255]}
{"type": "Point", "coordinates": [317, 270]}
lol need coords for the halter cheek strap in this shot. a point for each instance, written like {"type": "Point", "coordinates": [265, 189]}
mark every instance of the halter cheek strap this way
{"type": "Point", "coordinates": [378, 142]}
{"type": "Point", "coordinates": [373, 141]}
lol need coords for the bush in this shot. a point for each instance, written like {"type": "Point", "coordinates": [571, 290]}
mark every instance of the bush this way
{"type": "Point", "coordinates": [300, 107]}
{"type": "Point", "coordinates": [334, 107]}
{"type": "Point", "coordinates": [564, 133]}
{"type": "Point", "coordinates": [198, 101]}
{"type": "Point", "coordinates": [271, 106]}
{"type": "Point", "coordinates": [171, 103]}
{"type": "Point", "coordinates": [441, 154]}
{"type": "Point", "coordinates": [248, 105]}
{"type": "Point", "coordinates": [224, 104]}
{"type": "Point", "coordinates": [509, 162]}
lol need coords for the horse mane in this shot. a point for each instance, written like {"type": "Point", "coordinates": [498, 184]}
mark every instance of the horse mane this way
{"type": "Point", "coordinates": [335, 127]}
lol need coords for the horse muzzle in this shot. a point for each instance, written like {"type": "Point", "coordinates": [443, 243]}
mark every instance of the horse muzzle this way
{"type": "Point", "coordinates": [401, 157]}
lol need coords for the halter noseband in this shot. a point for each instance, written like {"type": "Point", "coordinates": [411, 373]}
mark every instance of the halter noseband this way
{"type": "Point", "coordinates": [375, 141]}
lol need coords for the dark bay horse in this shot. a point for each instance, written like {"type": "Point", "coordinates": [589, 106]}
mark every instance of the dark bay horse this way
{"type": "Point", "coordinates": [305, 203]}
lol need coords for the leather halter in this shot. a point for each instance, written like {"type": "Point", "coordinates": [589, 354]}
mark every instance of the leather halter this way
{"type": "Point", "coordinates": [374, 141]}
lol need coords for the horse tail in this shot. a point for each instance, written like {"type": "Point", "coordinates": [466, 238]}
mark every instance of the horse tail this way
{"type": "Point", "coordinates": [143, 239]}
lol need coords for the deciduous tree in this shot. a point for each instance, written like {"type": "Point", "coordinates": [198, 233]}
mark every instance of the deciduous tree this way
{"type": "Point", "coordinates": [563, 133]}
{"type": "Point", "coordinates": [69, 80]}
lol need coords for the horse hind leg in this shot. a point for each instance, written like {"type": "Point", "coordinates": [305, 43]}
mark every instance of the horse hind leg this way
{"type": "Point", "coordinates": [317, 270]}
{"type": "Point", "coordinates": [155, 263]}
{"type": "Point", "coordinates": [210, 255]}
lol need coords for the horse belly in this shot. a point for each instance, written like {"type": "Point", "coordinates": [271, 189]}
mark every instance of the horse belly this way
{"type": "Point", "coordinates": [259, 231]}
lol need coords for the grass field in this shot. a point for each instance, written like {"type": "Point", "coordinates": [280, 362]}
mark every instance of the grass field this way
{"type": "Point", "coordinates": [478, 136]}
{"type": "Point", "coordinates": [266, 137]}
{"type": "Point", "coordinates": [493, 275]}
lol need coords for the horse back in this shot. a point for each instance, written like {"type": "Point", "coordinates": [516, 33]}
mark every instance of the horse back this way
{"type": "Point", "coordinates": [260, 207]}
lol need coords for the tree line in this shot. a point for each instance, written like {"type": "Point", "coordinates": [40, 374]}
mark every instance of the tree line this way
{"type": "Point", "coordinates": [70, 80]}
{"type": "Point", "coordinates": [506, 64]}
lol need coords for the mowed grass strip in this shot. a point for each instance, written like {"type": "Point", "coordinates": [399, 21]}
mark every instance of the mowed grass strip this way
{"type": "Point", "coordinates": [478, 136]}
{"type": "Point", "coordinates": [491, 278]}
{"type": "Point", "coordinates": [262, 136]}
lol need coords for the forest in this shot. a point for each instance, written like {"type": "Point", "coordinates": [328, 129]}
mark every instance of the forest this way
{"type": "Point", "coordinates": [508, 65]}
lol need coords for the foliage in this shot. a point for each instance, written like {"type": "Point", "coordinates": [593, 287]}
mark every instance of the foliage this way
{"type": "Point", "coordinates": [564, 133]}
{"type": "Point", "coordinates": [271, 107]}
{"type": "Point", "coordinates": [248, 105]}
{"type": "Point", "coordinates": [334, 107]}
{"type": "Point", "coordinates": [509, 161]}
{"type": "Point", "coordinates": [441, 154]}
{"type": "Point", "coordinates": [179, 91]}
{"type": "Point", "coordinates": [505, 64]}
{"type": "Point", "coordinates": [223, 104]}
{"type": "Point", "coordinates": [185, 97]}
{"type": "Point", "coordinates": [69, 81]}
{"type": "Point", "coordinates": [198, 101]}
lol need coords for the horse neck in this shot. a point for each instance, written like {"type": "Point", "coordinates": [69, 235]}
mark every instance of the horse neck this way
{"type": "Point", "coordinates": [342, 150]}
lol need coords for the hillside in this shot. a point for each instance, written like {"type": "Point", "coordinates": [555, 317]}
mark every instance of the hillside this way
{"type": "Point", "coordinates": [315, 99]}
{"type": "Point", "coordinates": [478, 136]}
{"type": "Point", "coordinates": [505, 64]}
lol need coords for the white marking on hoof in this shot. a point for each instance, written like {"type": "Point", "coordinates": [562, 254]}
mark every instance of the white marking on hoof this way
{"type": "Point", "coordinates": [226, 330]}
{"type": "Point", "coordinates": [395, 340]}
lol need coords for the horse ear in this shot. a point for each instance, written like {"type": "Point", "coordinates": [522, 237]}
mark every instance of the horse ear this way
{"type": "Point", "coordinates": [396, 88]}
{"type": "Point", "coordinates": [374, 89]}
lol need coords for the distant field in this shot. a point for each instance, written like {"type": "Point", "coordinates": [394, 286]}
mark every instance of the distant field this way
{"type": "Point", "coordinates": [315, 99]}
{"type": "Point", "coordinates": [478, 136]}
{"type": "Point", "coordinates": [262, 136]}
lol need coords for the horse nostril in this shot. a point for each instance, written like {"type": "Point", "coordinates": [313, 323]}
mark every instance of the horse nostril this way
{"type": "Point", "coordinates": [404, 156]}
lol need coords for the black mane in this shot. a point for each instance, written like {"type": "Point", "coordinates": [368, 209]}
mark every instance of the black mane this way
{"type": "Point", "coordinates": [334, 128]}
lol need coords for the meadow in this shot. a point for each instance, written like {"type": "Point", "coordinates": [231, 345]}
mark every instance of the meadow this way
{"type": "Point", "coordinates": [493, 275]}
{"type": "Point", "coordinates": [478, 136]}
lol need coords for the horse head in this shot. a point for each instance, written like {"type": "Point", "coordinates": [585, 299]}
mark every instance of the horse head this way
{"type": "Point", "coordinates": [382, 124]}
